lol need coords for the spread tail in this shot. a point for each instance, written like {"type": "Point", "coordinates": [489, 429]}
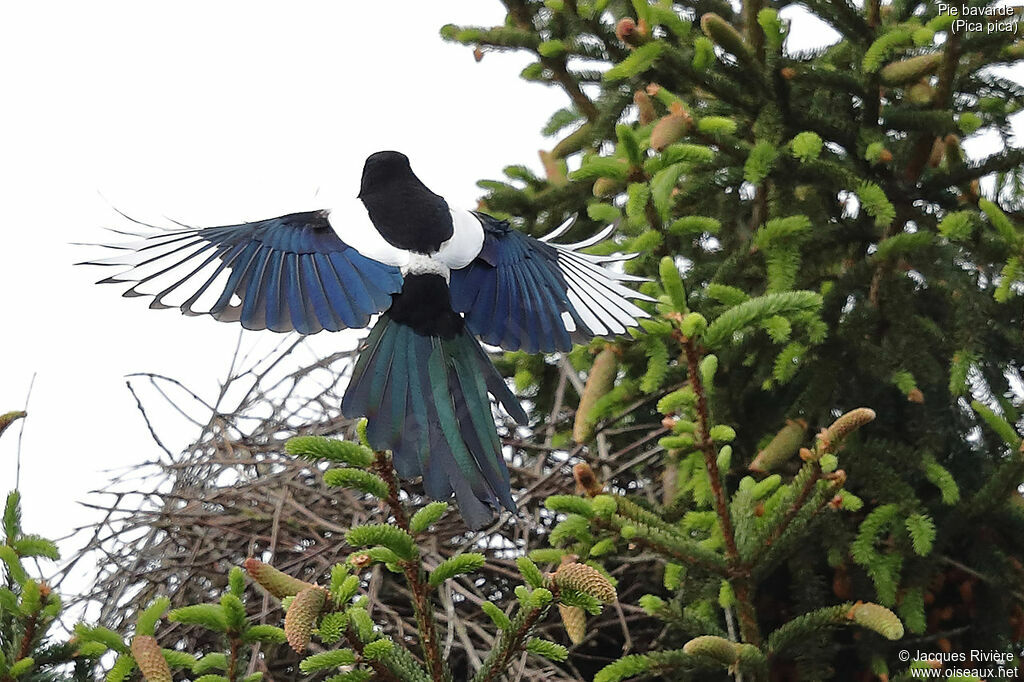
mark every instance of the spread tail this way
{"type": "Point", "coordinates": [425, 399]}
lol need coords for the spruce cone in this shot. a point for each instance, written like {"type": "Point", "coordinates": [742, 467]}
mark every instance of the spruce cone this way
{"type": "Point", "coordinates": [553, 169]}
{"type": "Point", "coordinates": [878, 618]}
{"type": "Point", "coordinates": [575, 621]}
{"type": "Point", "coordinates": [644, 107]}
{"type": "Point", "coordinates": [954, 152]}
{"type": "Point", "coordinates": [716, 648]}
{"type": "Point", "coordinates": [274, 581]}
{"type": "Point", "coordinates": [629, 32]}
{"type": "Point", "coordinates": [586, 579]}
{"type": "Point", "coordinates": [845, 425]}
{"type": "Point", "coordinates": [150, 659]}
{"type": "Point", "coordinates": [666, 131]}
{"type": "Point", "coordinates": [9, 418]}
{"type": "Point", "coordinates": [921, 93]}
{"type": "Point", "coordinates": [908, 70]}
{"type": "Point", "coordinates": [670, 128]}
{"type": "Point", "coordinates": [782, 447]}
{"type": "Point", "coordinates": [600, 381]}
{"type": "Point", "coordinates": [586, 480]}
{"type": "Point", "coordinates": [301, 617]}
{"type": "Point", "coordinates": [573, 142]}
{"type": "Point", "coordinates": [938, 153]}
{"type": "Point", "coordinates": [607, 187]}
{"type": "Point", "coordinates": [726, 36]}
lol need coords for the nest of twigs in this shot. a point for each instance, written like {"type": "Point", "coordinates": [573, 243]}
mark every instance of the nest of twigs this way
{"type": "Point", "coordinates": [234, 493]}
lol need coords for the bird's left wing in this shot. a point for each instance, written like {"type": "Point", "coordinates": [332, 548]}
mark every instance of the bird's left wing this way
{"type": "Point", "coordinates": [288, 273]}
{"type": "Point", "coordinates": [522, 293]}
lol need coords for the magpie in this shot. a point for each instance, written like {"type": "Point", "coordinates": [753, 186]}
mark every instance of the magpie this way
{"type": "Point", "coordinates": [439, 277]}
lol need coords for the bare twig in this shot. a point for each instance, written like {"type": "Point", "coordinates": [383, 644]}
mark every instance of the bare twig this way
{"type": "Point", "coordinates": [21, 432]}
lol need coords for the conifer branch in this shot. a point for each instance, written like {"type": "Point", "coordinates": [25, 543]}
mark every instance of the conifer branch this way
{"type": "Point", "coordinates": [874, 12]}
{"type": "Point", "coordinates": [522, 14]}
{"type": "Point", "coordinates": [818, 498]}
{"type": "Point", "coordinates": [740, 573]}
{"type": "Point", "coordinates": [415, 577]}
{"type": "Point", "coordinates": [798, 504]}
{"type": "Point", "coordinates": [232, 670]}
{"type": "Point", "coordinates": [30, 632]}
{"type": "Point", "coordinates": [918, 158]}
{"type": "Point", "coordinates": [724, 89]}
{"type": "Point", "coordinates": [707, 448]}
{"type": "Point", "coordinates": [872, 102]}
{"type": "Point", "coordinates": [1000, 162]}
{"type": "Point", "coordinates": [511, 642]}
{"type": "Point", "coordinates": [941, 100]}
{"type": "Point", "coordinates": [752, 29]}
{"type": "Point", "coordinates": [572, 87]}
{"type": "Point", "coordinates": [843, 17]}
{"type": "Point", "coordinates": [651, 213]}
{"type": "Point", "coordinates": [947, 71]}
{"type": "Point", "coordinates": [759, 211]}
{"type": "Point", "coordinates": [383, 671]}
{"type": "Point", "coordinates": [665, 540]}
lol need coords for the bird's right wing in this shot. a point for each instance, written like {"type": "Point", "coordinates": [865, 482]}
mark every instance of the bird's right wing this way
{"type": "Point", "coordinates": [522, 293]}
{"type": "Point", "coordinates": [288, 273]}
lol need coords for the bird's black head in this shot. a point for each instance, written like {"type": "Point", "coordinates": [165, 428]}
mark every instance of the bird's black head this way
{"type": "Point", "coordinates": [402, 209]}
{"type": "Point", "coordinates": [384, 168]}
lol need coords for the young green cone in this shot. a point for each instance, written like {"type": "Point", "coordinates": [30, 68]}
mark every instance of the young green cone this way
{"type": "Point", "coordinates": [274, 581]}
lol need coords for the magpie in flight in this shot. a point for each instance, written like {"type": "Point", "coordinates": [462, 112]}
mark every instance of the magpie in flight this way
{"type": "Point", "coordinates": [440, 276]}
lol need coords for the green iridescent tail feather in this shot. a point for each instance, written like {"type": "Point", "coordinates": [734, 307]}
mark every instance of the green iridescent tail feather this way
{"type": "Point", "coordinates": [426, 400]}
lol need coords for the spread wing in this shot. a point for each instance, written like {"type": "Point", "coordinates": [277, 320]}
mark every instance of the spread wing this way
{"type": "Point", "coordinates": [522, 293]}
{"type": "Point", "coordinates": [287, 273]}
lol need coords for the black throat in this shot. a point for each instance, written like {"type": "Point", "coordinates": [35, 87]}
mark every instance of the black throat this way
{"type": "Point", "coordinates": [404, 211]}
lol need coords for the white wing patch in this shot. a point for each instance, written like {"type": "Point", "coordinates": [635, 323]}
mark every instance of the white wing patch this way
{"type": "Point", "coordinates": [570, 324]}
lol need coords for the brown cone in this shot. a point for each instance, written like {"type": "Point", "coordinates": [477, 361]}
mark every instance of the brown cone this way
{"type": "Point", "coordinates": [301, 617]}
{"type": "Point", "coordinates": [150, 659]}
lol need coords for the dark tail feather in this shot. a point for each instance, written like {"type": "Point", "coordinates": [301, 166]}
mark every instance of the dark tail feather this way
{"type": "Point", "coordinates": [426, 399]}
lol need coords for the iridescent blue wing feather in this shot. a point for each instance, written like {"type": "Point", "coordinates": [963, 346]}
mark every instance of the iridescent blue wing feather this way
{"type": "Point", "coordinates": [522, 293]}
{"type": "Point", "coordinates": [287, 273]}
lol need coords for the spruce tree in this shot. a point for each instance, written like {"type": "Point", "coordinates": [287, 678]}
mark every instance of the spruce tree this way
{"type": "Point", "coordinates": [838, 251]}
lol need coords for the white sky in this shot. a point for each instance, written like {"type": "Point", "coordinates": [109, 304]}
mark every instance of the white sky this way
{"type": "Point", "coordinates": [208, 113]}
